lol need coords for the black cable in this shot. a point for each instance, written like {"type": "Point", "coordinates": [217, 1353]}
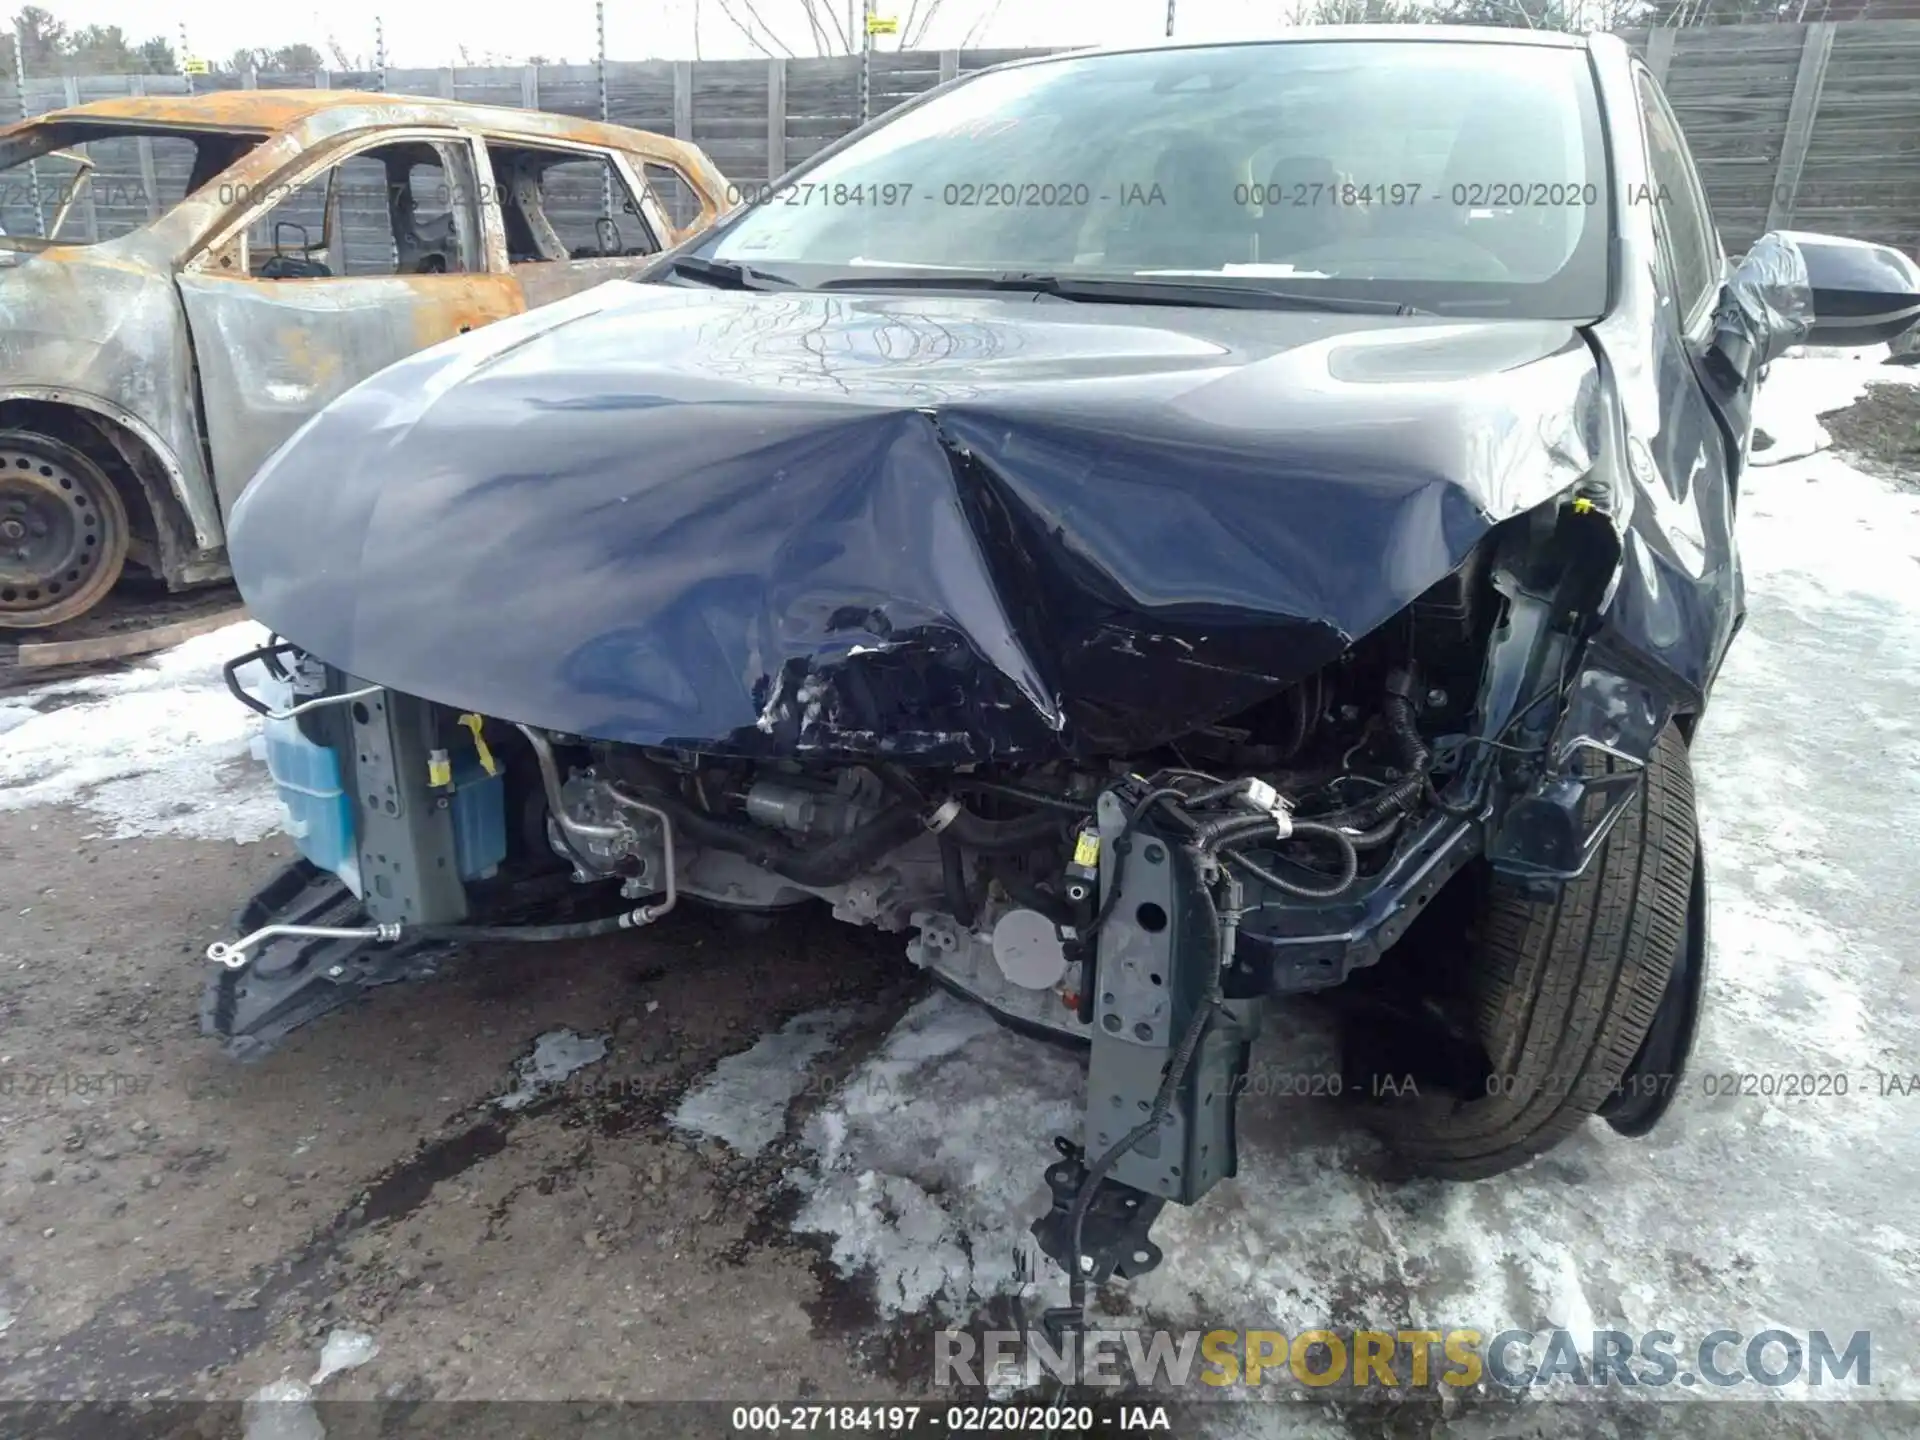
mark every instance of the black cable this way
{"type": "Point", "coordinates": [272, 660]}
{"type": "Point", "coordinates": [976, 832]}
{"type": "Point", "coordinates": [1031, 797]}
{"type": "Point", "coordinates": [1003, 836]}
{"type": "Point", "coordinates": [1230, 828]}
{"type": "Point", "coordinates": [577, 930]}
{"type": "Point", "coordinates": [1446, 807]}
{"type": "Point", "coordinates": [1218, 791]}
{"type": "Point", "coordinates": [1160, 775]}
{"type": "Point", "coordinates": [1471, 810]}
{"type": "Point", "coordinates": [953, 881]}
{"type": "Point", "coordinates": [1373, 839]}
{"type": "Point", "coordinates": [1349, 864]}
{"type": "Point", "coordinates": [230, 671]}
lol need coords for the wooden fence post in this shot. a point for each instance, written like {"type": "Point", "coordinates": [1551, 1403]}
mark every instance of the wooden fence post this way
{"type": "Point", "coordinates": [683, 100]}
{"type": "Point", "coordinates": [776, 118]}
{"type": "Point", "coordinates": [1660, 52]}
{"type": "Point", "coordinates": [1804, 108]}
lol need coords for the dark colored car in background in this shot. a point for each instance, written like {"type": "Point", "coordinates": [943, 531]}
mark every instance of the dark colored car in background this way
{"type": "Point", "coordinates": [1158, 528]}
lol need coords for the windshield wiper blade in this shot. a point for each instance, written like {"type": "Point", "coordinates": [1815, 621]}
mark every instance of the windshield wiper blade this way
{"type": "Point", "coordinates": [728, 273]}
{"type": "Point", "coordinates": [1134, 290]}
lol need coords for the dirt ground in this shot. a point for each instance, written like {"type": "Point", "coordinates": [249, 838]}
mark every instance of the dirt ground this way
{"type": "Point", "coordinates": [176, 1224]}
{"type": "Point", "coordinates": [1881, 433]}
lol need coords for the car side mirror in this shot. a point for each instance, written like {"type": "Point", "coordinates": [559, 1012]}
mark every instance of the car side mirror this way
{"type": "Point", "coordinates": [1795, 287]}
{"type": "Point", "coordinates": [1863, 293]}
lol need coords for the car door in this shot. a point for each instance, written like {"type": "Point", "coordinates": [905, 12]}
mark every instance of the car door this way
{"type": "Point", "coordinates": [1697, 452]}
{"type": "Point", "coordinates": [573, 215]}
{"type": "Point", "coordinates": [357, 256]}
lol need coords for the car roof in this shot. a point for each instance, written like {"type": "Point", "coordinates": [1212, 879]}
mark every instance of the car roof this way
{"type": "Point", "coordinates": [1456, 34]}
{"type": "Point", "coordinates": [267, 112]}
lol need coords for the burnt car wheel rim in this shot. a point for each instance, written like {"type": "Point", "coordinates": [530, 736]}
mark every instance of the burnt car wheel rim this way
{"type": "Point", "coordinates": [63, 537]}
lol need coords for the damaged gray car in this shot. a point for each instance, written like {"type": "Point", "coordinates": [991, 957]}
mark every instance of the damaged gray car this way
{"type": "Point", "coordinates": [1155, 529]}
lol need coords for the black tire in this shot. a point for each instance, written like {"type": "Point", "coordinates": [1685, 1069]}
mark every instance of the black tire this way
{"type": "Point", "coordinates": [1564, 991]}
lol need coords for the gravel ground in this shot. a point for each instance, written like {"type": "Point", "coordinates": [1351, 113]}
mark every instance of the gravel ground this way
{"type": "Point", "coordinates": [719, 1162]}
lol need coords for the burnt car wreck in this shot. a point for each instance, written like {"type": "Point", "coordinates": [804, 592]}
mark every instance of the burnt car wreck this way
{"type": "Point", "coordinates": [215, 268]}
{"type": "Point", "coordinates": [1137, 646]}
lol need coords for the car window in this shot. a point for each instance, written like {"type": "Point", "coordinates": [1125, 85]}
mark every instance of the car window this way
{"type": "Point", "coordinates": [402, 209]}
{"type": "Point", "coordinates": [1452, 175]}
{"type": "Point", "coordinates": [112, 199]}
{"type": "Point", "coordinates": [1679, 203]}
{"type": "Point", "coordinates": [676, 196]}
{"type": "Point", "coordinates": [295, 229]}
{"type": "Point", "coordinates": [565, 205]}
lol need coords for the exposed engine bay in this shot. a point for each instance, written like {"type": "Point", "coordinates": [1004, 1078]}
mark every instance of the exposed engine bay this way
{"type": "Point", "coordinates": [1141, 904]}
{"type": "Point", "coordinates": [994, 871]}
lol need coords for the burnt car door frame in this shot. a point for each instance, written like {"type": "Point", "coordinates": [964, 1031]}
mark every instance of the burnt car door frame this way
{"type": "Point", "coordinates": [542, 281]}
{"type": "Point", "coordinates": [270, 352]}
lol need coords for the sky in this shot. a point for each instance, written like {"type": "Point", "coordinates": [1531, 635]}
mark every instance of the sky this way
{"type": "Point", "coordinates": [496, 32]}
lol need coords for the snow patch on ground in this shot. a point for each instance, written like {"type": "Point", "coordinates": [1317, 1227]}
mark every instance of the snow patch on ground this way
{"type": "Point", "coordinates": [744, 1101]}
{"type": "Point", "coordinates": [927, 1167]}
{"type": "Point", "coordinates": [1806, 385]}
{"type": "Point", "coordinates": [282, 1410]}
{"type": "Point", "coordinates": [156, 748]}
{"type": "Point", "coordinates": [556, 1055]}
{"type": "Point", "coordinates": [1741, 1211]}
{"type": "Point", "coordinates": [345, 1350]}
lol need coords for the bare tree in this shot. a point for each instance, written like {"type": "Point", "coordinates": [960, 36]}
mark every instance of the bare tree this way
{"type": "Point", "coordinates": [978, 30]}
{"type": "Point", "coordinates": [754, 29]}
{"type": "Point", "coordinates": [828, 31]}
{"type": "Point", "coordinates": [913, 29]}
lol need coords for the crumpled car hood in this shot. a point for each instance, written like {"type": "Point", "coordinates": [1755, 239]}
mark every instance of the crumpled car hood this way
{"type": "Point", "coordinates": [938, 529]}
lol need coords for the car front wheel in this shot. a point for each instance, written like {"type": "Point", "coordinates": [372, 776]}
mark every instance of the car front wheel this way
{"type": "Point", "coordinates": [1565, 991]}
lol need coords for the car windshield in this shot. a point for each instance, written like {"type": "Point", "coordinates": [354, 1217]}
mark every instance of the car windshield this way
{"type": "Point", "coordinates": [1461, 177]}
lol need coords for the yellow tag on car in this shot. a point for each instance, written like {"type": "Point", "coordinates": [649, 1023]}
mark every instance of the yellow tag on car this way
{"type": "Point", "coordinates": [487, 762]}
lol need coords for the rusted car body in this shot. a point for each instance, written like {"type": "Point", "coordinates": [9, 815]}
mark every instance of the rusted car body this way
{"type": "Point", "coordinates": [320, 236]}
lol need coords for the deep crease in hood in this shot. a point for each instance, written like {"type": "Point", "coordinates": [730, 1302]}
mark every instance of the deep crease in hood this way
{"type": "Point", "coordinates": [940, 529]}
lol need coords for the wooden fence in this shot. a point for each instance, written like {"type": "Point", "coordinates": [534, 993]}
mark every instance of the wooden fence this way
{"type": "Point", "coordinates": [1814, 126]}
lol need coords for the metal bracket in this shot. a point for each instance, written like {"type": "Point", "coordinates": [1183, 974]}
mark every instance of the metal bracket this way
{"type": "Point", "coordinates": [1151, 973]}
{"type": "Point", "coordinates": [408, 870]}
{"type": "Point", "coordinates": [1113, 1237]}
